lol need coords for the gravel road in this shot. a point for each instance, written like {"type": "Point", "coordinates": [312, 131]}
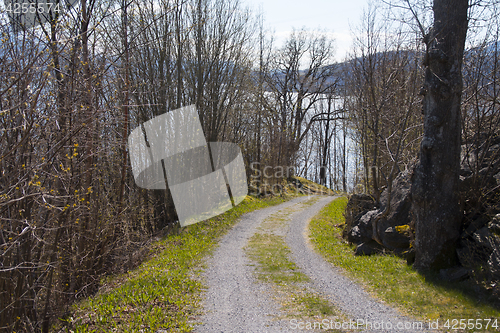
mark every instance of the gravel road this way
{"type": "Point", "coordinates": [347, 295]}
{"type": "Point", "coordinates": [237, 302]}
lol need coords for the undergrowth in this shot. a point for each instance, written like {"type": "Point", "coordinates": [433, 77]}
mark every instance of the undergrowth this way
{"type": "Point", "coordinates": [164, 292]}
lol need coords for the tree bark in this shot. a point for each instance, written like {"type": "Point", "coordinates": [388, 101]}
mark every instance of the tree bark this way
{"type": "Point", "coordinates": [435, 183]}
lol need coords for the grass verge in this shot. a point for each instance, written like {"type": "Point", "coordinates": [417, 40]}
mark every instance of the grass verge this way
{"type": "Point", "coordinates": [389, 278]}
{"type": "Point", "coordinates": [163, 293]}
{"type": "Point", "coordinates": [290, 286]}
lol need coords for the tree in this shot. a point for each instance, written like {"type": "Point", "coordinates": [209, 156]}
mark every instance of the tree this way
{"type": "Point", "coordinates": [481, 122]}
{"type": "Point", "coordinates": [71, 91]}
{"type": "Point", "coordinates": [435, 182]}
{"type": "Point", "coordinates": [382, 81]}
{"type": "Point", "coordinates": [300, 77]}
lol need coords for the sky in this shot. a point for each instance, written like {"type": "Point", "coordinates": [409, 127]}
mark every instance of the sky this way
{"type": "Point", "coordinates": [334, 16]}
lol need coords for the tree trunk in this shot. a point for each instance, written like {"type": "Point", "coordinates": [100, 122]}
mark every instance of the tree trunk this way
{"type": "Point", "coordinates": [435, 184]}
{"type": "Point", "coordinates": [326, 146]}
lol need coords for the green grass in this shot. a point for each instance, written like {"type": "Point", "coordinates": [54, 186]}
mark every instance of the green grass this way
{"type": "Point", "coordinates": [272, 254]}
{"type": "Point", "coordinates": [163, 292]}
{"type": "Point", "coordinates": [389, 278]}
{"type": "Point", "coordinates": [316, 306]}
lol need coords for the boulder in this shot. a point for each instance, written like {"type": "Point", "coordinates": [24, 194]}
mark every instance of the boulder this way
{"type": "Point", "coordinates": [363, 230]}
{"type": "Point", "coordinates": [361, 212]}
{"type": "Point", "coordinates": [482, 248]}
{"type": "Point", "coordinates": [494, 260]}
{"type": "Point", "coordinates": [394, 239]}
{"type": "Point", "coordinates": [478, 222]}
{"type": "Point", "coordinates": [368, 248]}
{"type": "Point", "coordinates": [399, 213]}
{"type": "Point", "coordinates": [480, 177]}
{"type": "Point", "coordinates": [357, 206]}
{"type": "Point", "coordinates": [455, 274]}
{"type": "Point", "coordinates": [494, 263]}
{"type": "Point", "coordinates": [494, 225]}
{"type": "Point", "coordinates": [470, 254]}
{"type": "Point", "coordinates": [483, 238]}
{"type": "Point", "coordinates": [400, 198]}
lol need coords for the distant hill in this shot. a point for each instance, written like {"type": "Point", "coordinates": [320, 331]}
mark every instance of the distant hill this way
{"type": "Point", "coordinates": [339, 71]}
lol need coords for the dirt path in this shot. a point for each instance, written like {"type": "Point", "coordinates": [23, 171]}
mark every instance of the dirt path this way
{"type": "Point", "coordinates": [237, 302]}
{"type": "Point", "coordinates": [347, 295]}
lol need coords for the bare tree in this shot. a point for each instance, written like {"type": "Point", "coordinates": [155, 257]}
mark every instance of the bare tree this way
{"type": "Point", "coordinates": [382, 78]}
{"type": "Point", "coordinates": [301, 76]}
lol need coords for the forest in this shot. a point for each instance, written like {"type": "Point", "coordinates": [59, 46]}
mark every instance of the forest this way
{"type": "Point", "coordinates": [74, 87]}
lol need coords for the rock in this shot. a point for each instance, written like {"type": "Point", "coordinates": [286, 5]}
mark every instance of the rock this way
{"type": "Point", "coordinates": [455, 274]}
{"type": "Point", "coordinates": [368, 248]}
{"type": "Point", "coordinates": [494, 225]}
{"type": "Point", "coordinates": [361, 212]}
{"type": "Point", "coordinates": [357, 206]}
{"type": "Point", "coordinates": [483, 247]}
{"type": "Point", "coordinates": [483, 238]}
{"type": "Point", "coordinates": [400, 194]}
{"type": "Point", "coordinates": [494, 259]}
{"type": "Point", "coordinates": [393, 239]}
{"type": "Point", "coordinates": [476, 224]}
{"type": "Point", "coordinates": [480, 173]}
{"type": "Point", "coordinates": [494, 263]}
{"type": "Point", "coordinates": [354, 236]}
{"type": "Point", "coordinates": [467, 160]}
{"type": "Point", "coordinates": [470, 254]}
{"type": "Point", "coordinates": [410, 256]}
{"type": "Point", "coordinates": [466, 183]}
{"type": "Point", "coordinates": [465, 256]}
{"type": "Point", "coordinates": [398, 215]}
{"type": "Point", "coordinates": [362, 231]}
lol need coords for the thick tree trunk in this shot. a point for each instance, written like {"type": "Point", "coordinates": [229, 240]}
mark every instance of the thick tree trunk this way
{"type": "Point", "coordinates": [435, 183]}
